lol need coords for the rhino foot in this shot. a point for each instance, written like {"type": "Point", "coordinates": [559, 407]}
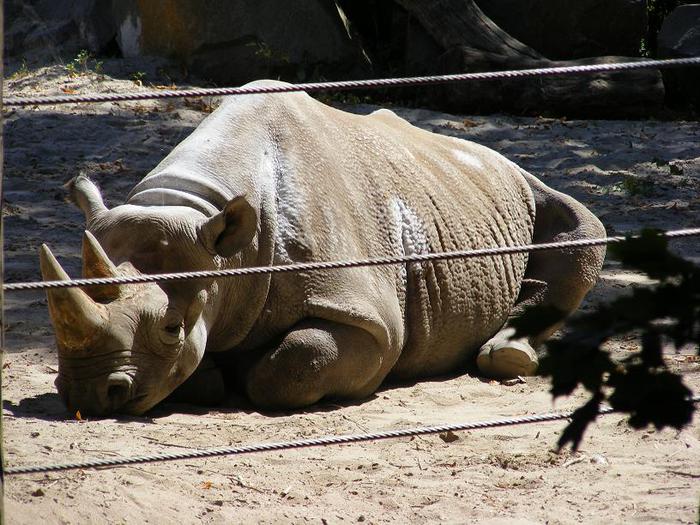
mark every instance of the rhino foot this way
{"type": "Point", "coordinates": [507, 359]}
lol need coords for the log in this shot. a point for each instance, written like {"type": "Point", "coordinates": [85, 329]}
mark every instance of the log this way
{"type": "Point", "coordinates": [473, 42]}
{"type": "Point", "coordinates": [630, 94]}
{"type": "Point", "coordinates": [460, 23]}
{"type": "Point", "coordinates": [572, 29]}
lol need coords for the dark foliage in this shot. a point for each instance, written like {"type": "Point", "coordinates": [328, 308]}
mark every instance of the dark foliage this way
{"type": "Point", "coordinates": [641, 385]}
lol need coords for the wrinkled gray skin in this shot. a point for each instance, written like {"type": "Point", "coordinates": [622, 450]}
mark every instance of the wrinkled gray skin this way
{"type": "Point", "coordinates": [275, 179]}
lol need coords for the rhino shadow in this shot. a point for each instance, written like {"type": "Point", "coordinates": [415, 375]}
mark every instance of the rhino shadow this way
{"type": "Point", "coordinates": [47, 407]}
{"type": "Point", "coordinates": [236, 402]}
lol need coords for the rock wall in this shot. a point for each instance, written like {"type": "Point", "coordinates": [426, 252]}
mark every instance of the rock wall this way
{"type": "Point", "coordinates": [234, 41]}
{"type": "Point", "coordinates": [228, 41]}
{"type": "Point", "coordinates": [231, 42]}
{"type": "Point", "coordinates": [680, 32]}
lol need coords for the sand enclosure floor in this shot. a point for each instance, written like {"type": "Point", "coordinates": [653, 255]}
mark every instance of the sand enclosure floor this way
{"type": "Point", "coordinates": [633, 174]}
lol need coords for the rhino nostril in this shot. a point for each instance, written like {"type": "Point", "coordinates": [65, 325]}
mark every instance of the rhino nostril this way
{"type": "Point", "coordinates": [118, 389]}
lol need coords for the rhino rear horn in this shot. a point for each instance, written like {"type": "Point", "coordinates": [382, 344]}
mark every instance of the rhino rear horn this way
{"type": "Point", "coordinates": [96, 265]}
{"type": "Point", "coordinates": [75, 316]}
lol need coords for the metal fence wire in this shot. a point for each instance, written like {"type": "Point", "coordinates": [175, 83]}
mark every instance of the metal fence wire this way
{"type": "Point", "coordinates": [348, 85]}
{"type": "Point", "coordinates": [304, 443]}
{"type": "Point", "coordinates": [334, 265]}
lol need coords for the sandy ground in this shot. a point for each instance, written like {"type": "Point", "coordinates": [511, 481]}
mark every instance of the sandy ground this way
{"type": "Point", "coordinates": [632, 174]}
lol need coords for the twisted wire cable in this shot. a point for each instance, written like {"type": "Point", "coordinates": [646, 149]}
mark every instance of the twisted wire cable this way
{"type": "Point", "coordinates": [333, 265]}
{"type": "Point", "coordinates": [303, 443]}
{"type": "Point", "coordinates": [346, 85]}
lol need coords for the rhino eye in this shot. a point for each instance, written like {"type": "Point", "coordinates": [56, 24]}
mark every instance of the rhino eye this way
{"type": "Point", "coordinates": [172, 334]}
{"type": "Point", "coordinates": [173, 329]}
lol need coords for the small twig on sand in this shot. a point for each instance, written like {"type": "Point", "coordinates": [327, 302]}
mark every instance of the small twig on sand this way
{"type": "Point", "coordinates": [158, 442]}
{"type": "Point", "coordinates": [240, 483]}
{"type": "Point", "coordinates": [573, 461]}
{"type": "Point", "coordinates": [358, 425]}
{"type": "Point", "coordinates": [684, 474]}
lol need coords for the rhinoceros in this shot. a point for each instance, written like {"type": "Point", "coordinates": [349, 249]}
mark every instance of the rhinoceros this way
{"type": "Point", "coordinates": [282, 178]}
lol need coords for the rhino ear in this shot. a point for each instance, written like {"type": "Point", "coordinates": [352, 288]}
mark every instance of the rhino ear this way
{"type": "Point", "coordinates": [86, 196]}
{"type": "Point", "coordinates": [232, 229]}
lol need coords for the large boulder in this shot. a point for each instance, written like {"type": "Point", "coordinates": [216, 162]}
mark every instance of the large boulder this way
{"type": "Point", "coordinates": [50, 30]}
{"type": "Point", "coordinates": [680, 37]}
{"type": "Point", "coordinates": [570, 29]}
{"type": "Point", "coordinates": [234, 41]}
{"type": "Point", "coordinates": [680, 33]}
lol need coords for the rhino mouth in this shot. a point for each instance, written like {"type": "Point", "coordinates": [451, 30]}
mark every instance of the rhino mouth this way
{"type": "Point", "coordinates": [133, 406]}
{"type": "Point", "coordinates": [101, 396]}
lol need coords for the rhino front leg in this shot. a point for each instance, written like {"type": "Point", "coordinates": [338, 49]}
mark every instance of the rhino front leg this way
{"type": "Point", "coordinates": [205, 387]}
{"type": "Point", "coordinates": [317, 359]}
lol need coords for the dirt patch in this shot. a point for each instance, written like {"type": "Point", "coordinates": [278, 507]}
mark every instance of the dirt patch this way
{"type": "Point", "coordinates": [632, 174]}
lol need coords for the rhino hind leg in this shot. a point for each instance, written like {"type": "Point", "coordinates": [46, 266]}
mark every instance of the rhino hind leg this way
{"type": "Point", "coordinates": [554, 278]}
{"type": "Point", "coordinates": [315, 360]}
{"type": "Point", "coordinates": [505, 357]}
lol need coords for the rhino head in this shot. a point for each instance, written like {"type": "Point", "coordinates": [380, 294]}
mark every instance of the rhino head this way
{"type": "Point", "coordinates": [124, 348]}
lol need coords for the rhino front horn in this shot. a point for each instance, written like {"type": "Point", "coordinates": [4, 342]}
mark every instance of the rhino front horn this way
{"type": "Point", "coordinates": [96, 264]}
{"type": "Point", "coordinates": [75, 316]}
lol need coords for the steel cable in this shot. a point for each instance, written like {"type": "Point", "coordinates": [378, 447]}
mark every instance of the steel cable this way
{"type": "Point", "coordinates": [332, 265]}
{"type": "Point", "coordinates": [303, 443]}
{"type": "Point", "coordinates": [286, 445]}
{"type": "Point", "coordinates": [347, 85]}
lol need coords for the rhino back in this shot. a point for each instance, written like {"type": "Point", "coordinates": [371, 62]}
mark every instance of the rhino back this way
{"type": "Point", "coordinates": [350, 186]}
{"type": "Point", "coordinates": [337, 186]}
{"type": "Point", "coordinates": [226, 156]}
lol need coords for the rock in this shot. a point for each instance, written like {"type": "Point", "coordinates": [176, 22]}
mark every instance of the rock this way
{"type": "Point", "coordinates": [229, 42]}
{"type": "Point", "coordinates": [235, 41]}
{"type": "Point", "coordinates": [680, 32]}
{"type": "Point", "coordinates": [571, 29]}
{"type": "Point", "coordinates": [449, 436]}
{"type": "Point", "coordinates": [512, 382]}
{"type": "Point", "coordinates": [680, 37]}
{"type": "Point", "coordinates": [599, 459]}
{"type": "Point", "coordinates": [49, 30]}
